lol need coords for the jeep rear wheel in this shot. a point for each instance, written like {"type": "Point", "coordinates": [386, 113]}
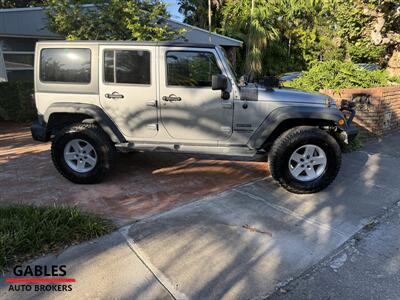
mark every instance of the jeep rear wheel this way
{"type": "Point", "coordinates": [305, 160]}
{"type": "Point", "coordinates": [82, 153]}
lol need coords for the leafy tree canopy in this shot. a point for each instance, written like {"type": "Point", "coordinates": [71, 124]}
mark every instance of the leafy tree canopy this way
{"type": "Point", "coordinates": [20, 3]}
{"type": "Point", "coordinates": [110, 20]}
{"type": "Point", "coordinates": [291, 35]}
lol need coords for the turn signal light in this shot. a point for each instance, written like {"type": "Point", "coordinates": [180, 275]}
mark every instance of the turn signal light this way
{"type": "Point", "coordinates": [341, 122]}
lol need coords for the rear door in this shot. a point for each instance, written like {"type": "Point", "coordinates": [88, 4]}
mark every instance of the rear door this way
{"type": "Point", "coordinates": [128, 89]}
{"type": "Point", "coordinates": [190, 109]}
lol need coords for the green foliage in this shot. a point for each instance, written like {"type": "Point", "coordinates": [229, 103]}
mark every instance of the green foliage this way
{"type": "Point", "coordinates": [253, 26]}
{"type": "Point", "coordinates": [27, 231]}
{"type": "Point", "coordinates": [337, 75]}
{"type": "Point", "coordinates": [16, 101]}
{"type": "Point", "coordinates": [20, 3]}
{"type": "Point", "coordinates": [196, 13]}
{"type": "Point", "coordinates": [363, 51]}
{"type": "Point", "coordinates": [110, 20]}
{"type": "Point", "coordinates": [291, 35]}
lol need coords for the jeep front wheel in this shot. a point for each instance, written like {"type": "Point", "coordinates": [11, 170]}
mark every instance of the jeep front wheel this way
{"type": "Point", "coordinates": [305, 160]}
{"type": "Point", "coordinates": [82, 153]}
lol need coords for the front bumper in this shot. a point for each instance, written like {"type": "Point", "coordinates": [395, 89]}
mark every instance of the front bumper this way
{"type": "Point", "coordinates": [39, 131]}
{"type": "Point", "coordinates": [349, 131]}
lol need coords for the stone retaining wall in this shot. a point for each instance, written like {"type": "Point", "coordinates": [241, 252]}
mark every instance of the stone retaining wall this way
{"type": "Point", "coordinates": [378, 109]}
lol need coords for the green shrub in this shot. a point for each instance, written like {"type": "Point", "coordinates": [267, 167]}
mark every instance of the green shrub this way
{"type": "Point", "coordinates": [16, 101]}
{"type": "Point", "coordinates": [338, 75]}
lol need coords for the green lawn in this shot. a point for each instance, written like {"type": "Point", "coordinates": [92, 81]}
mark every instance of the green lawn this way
{"type": "Point", "coordinates": [27, 231]}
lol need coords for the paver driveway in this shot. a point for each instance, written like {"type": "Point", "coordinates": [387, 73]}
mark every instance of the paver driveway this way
{"type": "Point", "coordinates": [141, 184]}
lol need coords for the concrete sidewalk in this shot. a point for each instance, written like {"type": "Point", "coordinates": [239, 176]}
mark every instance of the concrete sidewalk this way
{"type": "Point", "coordinates": [366, 267]}
{"type": "Point", "coordinates": [240, 244]}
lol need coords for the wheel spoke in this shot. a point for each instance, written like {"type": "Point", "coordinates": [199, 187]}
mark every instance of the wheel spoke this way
{"type": "Point", "coordinates": [91, 161]}
{"type": "Point", "coordinates": [311, 173]}
{"type": "Point", "coordinates": [319, 160]}
{"type": "Point", "coordinates": [297, 157]}
{"type": "Point", "coordinates": [75, 145]}
{"type": "Point", "coordinates": [87, 148]}
{"type": "Point", "coordinates": [310, 151]}
{"type": "Point", "coordinates": [81, 165]}
{"type": "Point", "coordinates": [297, 170]}
{"type": "Point", "coordinates": [70, 156]}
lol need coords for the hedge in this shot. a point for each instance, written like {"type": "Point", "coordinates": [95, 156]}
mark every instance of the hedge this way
{"type": "Point", "coordinates": [16, 101]}
{"type": "Point", "coordinates": [337, 75]}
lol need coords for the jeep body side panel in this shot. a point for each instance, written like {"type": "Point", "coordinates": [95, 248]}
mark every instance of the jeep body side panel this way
{"type": "Point", "coordinates": [87, 109]}
{"type": "Point", "coordinates": [279, 115]}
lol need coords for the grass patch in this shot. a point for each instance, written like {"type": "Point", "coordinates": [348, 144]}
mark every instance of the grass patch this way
{"type": "Point", "coordinates": [27, 231]}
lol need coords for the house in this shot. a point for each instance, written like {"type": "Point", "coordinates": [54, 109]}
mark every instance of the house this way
{"type": "Point", "coordinates": [21, 28]}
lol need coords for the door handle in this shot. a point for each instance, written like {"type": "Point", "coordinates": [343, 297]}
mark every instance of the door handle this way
{"type": "Point", "coordinates": [114, 95]}
{"type": "Point", "coordinates": [171, 98]}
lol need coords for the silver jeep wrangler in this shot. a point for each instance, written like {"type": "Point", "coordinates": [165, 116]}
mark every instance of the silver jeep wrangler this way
{"type": "Point", "coordinates": [97, 97]}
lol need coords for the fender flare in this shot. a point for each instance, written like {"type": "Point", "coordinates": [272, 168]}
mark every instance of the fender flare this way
{"type": "Point", "coordinates": [91, 110]}
{"type": "Point", "coordinates": [279, 115]}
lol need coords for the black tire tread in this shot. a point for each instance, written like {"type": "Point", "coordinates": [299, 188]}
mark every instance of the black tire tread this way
{"type": "Point", "coordinates": [95, 132]}
{"type": "Point", "coordinates": [291, 136]}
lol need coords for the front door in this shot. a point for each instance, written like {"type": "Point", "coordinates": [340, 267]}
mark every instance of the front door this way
{"type": "Point", "coordinates": [128, 89]}
{"type": "Point", "coordinates": [190, 109]}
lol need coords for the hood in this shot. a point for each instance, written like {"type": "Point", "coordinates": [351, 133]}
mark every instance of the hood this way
{"type": "Point", "coordinates": [291, 95]}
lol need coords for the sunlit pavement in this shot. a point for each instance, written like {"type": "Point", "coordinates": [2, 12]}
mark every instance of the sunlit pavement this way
{"type": "Point", "coordinates": [238, 244]}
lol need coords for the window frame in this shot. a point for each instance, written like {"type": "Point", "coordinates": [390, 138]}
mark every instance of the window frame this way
{"type": "Point", "coordinates": [19, 53]}
{"type": "Point", "coordinates": [221, 68]}
{"type": "Point", "coordinates": [66, 82]}
{"type": "Point", "coordinates": [115, 74]}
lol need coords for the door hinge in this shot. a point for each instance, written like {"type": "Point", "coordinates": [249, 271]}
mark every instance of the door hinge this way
{"type": "Point", "coordinates": [152, 103]}
{"type": "Point", "coordinates": [152, 126]}
{"type": "Point", "coordinates": [228, 105]}
{"type": "Point", "coordinates": [226, 129]}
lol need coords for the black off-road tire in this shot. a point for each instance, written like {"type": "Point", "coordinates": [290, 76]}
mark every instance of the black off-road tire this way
{"type": "Point", "coordinates": [100, 141]}
{"type": "Point", "coordinates": [291, 140]}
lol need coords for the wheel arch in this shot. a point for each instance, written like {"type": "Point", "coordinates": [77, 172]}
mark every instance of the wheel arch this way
{"type": "Point", "coordinates": [284, 118]}
{"type": "Point", "coordinates": [59, 115]}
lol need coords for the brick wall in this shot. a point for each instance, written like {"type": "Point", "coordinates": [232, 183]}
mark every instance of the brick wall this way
{"type": "Point", "coordinates": [378, 109]}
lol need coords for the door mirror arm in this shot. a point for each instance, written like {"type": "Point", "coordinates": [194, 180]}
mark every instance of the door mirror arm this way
{"type": "Point", "coordinates": [225, 95]}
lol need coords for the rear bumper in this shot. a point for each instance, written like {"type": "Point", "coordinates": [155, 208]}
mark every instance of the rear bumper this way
{"type": "Point", "coordinates": [39, 131]}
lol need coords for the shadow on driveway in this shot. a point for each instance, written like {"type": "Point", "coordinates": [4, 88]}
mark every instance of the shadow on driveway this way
{"type": "Point", "coordinates": [140, 185]}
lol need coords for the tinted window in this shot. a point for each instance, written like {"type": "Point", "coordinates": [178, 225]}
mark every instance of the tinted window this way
{"type": "Point", "coordinates": [65, 65]}
{"type": "Point", "coordinates": [127, 66]}
{"type": "Point", "coordinates": [191, 68]}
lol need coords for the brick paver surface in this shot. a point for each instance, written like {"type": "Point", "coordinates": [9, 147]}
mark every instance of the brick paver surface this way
{"type": "Point", "coordinates": [140, 184]}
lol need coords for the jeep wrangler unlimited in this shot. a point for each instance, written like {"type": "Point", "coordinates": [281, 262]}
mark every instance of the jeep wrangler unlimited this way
{"type": "Point", "coordinates": [97, 97]}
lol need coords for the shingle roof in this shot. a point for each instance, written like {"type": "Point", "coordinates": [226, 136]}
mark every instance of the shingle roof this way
{"type": "Point", "coordinates": [31, 22]}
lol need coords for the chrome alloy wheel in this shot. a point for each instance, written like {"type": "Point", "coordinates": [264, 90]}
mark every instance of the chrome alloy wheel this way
{"type": "Point", "coordinates": [80, 156]}
{"type": "Point", "coordinates": [307, 163]}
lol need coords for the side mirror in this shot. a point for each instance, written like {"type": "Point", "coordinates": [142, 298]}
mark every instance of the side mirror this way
{"type": "Point", "coordinates": [219, 82]}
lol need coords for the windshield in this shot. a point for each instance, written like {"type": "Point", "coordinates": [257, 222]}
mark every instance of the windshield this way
{"type": "Point", "coordinates": [228, 62]}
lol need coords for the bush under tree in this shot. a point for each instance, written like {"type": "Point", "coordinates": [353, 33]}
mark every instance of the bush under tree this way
{"type": "Point", "coordinates": [336, 75]}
